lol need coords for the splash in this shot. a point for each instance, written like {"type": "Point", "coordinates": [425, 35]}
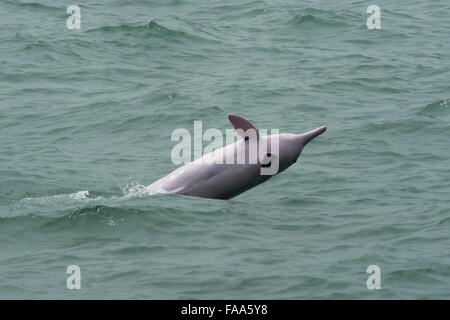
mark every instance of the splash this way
{"type": "Point", "coordinates": [131, 190]}
{"type": "Point", "coordinates": [58, 199]}
{"type": "Point", "coordinates": [438, 110]}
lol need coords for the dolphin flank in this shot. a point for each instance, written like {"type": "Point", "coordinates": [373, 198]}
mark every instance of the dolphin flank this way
{"type": "Point", "coordinates": [214, 176]}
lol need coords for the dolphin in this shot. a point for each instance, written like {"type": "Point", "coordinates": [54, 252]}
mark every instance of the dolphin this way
{"type": "Point", "coordinates": [214, 176]}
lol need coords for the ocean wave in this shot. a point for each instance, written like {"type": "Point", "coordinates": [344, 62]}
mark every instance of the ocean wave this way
{"type": "Point", "coordinates": [36, 6]}
{"type": "Point", "coordinates": [131, 190]}
{"type": "Point", "coordinates": [57, 199]}
{"type": "Point", "coordinates": [316, 18]}
{"type": "Point", "coordinates": [149, 29]}
{"type": "Point", "coordinates": [437, 110]}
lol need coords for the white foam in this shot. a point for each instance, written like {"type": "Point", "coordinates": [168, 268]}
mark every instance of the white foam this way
{"type": "Point", "coordinates": [131, 190]}
{"type": "Point", "coordinates": [58, 199]}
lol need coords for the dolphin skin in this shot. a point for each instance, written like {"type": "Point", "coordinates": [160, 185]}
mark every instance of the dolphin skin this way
{"type": "Point", "coordinates": [219, 174]}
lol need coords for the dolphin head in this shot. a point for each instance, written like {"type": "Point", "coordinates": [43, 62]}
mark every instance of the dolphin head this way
{"type": "Point", "coordinates": [290, 146]}
{"type": "Point", "coordinates": [284, 148]}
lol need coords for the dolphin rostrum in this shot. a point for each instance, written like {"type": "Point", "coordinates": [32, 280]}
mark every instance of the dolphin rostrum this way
{"type": "Point", "coordinates": [218, 174]}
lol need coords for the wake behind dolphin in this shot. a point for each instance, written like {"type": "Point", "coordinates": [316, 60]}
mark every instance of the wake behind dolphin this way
{"type": "Point", "coordinates": [211, 177]}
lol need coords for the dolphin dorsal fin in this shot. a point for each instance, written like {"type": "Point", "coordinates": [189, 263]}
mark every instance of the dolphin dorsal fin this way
{"type": "Point", "coordinates": [239, 122]}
